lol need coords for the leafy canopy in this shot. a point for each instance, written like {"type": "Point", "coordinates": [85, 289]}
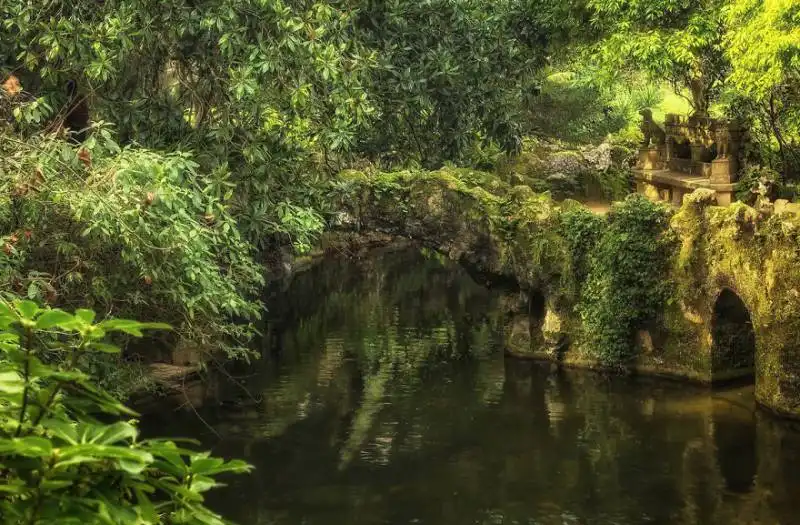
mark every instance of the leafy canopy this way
{"type": "Point", "coordinates": [135, 232]}
{"type": "Point", "coordinates": [672, 40]}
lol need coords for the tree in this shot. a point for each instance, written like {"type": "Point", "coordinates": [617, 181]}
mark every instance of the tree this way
{"type": "Point", "coordinates": [259, 88]}
{"type": "Point", "coordinates": [448, 75]}
{"type": "Point", "coordinates": [672, 40]}
{"type": "Point", "coordinates": [68, 457]}
{"type": "Point", "coordinates": [763, 46]}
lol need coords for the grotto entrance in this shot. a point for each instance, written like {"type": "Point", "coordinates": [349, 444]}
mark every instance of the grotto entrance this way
{"type": "Point", "coordinates": [734, 342]}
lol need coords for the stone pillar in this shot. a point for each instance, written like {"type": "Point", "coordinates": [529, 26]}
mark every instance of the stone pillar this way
{"type": "Point", "coordinates": [651, 158]}
{"type": "Point", "coordinates": [677, 197]}
{"type": "Point", "coordinates": [669, 150]}
{"type": "Point", "coordinates": [648, 190]}
{"type": "Point", "coordinates": [697, 151]}
{"type": "Point", "coordinates": [724, 198]}
{"type": "Point", "coordinates": [723, 171]}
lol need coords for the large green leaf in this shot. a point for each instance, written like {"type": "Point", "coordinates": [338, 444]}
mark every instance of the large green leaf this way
{"type": "Point", "coordinates": [52, 318]}
{"type": "Point", "coordinates": [131, 327]}
{"type": "Point", "coordinates": [113, 433]}
{"type": "Point", "coordinates": [27, 309]}
{"type": "Point", "coordinates": [29, 446]}
{"type": "Point", "coordinates": [11, 382]}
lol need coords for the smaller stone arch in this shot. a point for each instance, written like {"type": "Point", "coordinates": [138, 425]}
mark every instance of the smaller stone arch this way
{"type": "Point", "coordinates": [537, 310]}
{"type": "Point", "coordinates": [733, 339]}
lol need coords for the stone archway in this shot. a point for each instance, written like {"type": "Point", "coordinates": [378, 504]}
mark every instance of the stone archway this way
{"type": "Point", "coordinates": [733, 348]}
{"type": "Point", "coordinates": [537, 310]}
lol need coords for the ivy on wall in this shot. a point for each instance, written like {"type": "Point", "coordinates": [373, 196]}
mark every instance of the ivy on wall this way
{"type": "Point", "coordinates": [625, 286]}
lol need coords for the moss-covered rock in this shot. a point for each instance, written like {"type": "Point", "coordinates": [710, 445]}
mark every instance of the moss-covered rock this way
{"type": "Point", "coordinates": [589, 172]}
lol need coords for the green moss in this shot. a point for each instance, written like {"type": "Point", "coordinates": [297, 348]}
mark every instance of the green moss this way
{"type": "Point", "coordinates": [635, 288]}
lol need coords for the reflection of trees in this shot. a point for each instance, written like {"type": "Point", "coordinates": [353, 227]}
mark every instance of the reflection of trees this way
{"type": "Point", "coordinates": [501, 441]}
{"type": "Point", "coordinates": [399, 315]}
{"type": "Point", "coordinates": [367, 417]}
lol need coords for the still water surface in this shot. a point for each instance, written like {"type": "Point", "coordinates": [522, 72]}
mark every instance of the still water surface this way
{"type": "Point", "coordinates": [383, 397]}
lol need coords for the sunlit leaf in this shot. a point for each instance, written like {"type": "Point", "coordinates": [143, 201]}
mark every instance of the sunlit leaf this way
{"type": "Point", "coordinates": [52, 318]}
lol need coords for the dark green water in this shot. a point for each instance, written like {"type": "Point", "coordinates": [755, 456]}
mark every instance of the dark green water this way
{"type": "Point", "coordinates": [384, 398]}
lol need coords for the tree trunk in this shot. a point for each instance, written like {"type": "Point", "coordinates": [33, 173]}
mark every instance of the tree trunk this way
{"type": "Point", "coordinates": [699, 96]}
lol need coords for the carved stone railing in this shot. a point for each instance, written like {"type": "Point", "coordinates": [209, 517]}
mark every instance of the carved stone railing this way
{"type": "Point", "coordinates": [695, 152]}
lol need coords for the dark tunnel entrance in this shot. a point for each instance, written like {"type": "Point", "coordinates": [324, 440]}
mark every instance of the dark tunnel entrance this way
{"type": "Point", "coordinates": [734, 342]}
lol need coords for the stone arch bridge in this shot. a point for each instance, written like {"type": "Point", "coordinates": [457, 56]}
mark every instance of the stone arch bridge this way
{"type": "Point", "coordinates": [734, 275]}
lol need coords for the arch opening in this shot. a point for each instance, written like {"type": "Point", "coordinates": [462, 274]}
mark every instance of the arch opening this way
{"type": "Point", "coordinates": [536, 311]}
{"type": "Point", "coordinates": [733, 350]}
{"type": "Point", "coordinates": [535, 316]}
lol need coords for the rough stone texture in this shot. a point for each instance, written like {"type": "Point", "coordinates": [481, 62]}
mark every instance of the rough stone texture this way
{"type": "Point", "coordinates": [511, 232]}
{"type": "Point", "coordinates": [589, 173]}
{"type": "Point", "coordinates": [757, 257]}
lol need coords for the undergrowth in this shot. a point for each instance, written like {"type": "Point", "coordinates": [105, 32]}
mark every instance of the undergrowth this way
{"type": "Point", "coordinates": [127, 231]}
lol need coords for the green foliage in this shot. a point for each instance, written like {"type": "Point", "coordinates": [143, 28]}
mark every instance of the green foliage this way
{"type": "Point", "coordinates": [625, 287]}
{"type": "Point", "coordinates": [217, 125]}
{"type": "Point", "coordinates": [755, 182]}
{"type": "Point", "coordinates": [68, 453]}
{"type": "Point", "coordinates": [281, 94]}
{"type": "Point", "coordinates": [582, 230]}
{"type": "Point", "coordinates": [763, 46]}
{"type": "Point", "coordinates": [449, 77]}
{"type": "Point", "coordinates": [203, 77]}
{"type": "Point", "coordinates": [676, 41]}
{"type": "Point", "coordinates": [584, 173]}
{"type": "Point", "coordinates": [769, 62]}
{"type": "Point", "coordinates": [576, 109]}
{"type": "Point", "coordinates": [137, 233]}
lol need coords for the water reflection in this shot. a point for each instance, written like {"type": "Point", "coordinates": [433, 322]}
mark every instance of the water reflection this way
{"type": "Point", "coordinates": [385, 399]}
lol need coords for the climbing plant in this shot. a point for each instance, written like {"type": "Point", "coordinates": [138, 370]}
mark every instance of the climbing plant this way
{"type": "Point", "coordinates": [582, 230]}
{"type": "Point", "coordinates": [625, 286]}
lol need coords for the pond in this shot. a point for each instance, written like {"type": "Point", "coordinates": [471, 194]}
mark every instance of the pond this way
{"type": "Point", "coordinates": [383, 397]}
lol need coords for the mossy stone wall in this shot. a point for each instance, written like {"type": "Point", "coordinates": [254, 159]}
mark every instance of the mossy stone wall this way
{"type": "Point", "coordinates": [514, 233]}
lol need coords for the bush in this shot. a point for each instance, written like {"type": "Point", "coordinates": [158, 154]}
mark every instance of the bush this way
{"type": "Point", "coordinates": [69, 457]}
{"type": "Point", "coordinates": [625, 286]}
{"type": "Point", "coordinates": [128, 231]}
{"type": "Point", "coordinates": [756, 181]}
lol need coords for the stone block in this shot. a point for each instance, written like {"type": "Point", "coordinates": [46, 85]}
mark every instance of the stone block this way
{"type": "Point", "coordinates": [725, 198]}
{"type": "Point", "coordinates": [650, 191]}
{"type": "Point", "coordinates": [651, 158]}
{"type": "Point", "coordinates": [697, 150]}
{"type": "Point", "coordinates": [723, 171]}
{"type": "Point", "coordinates": [677, 197]}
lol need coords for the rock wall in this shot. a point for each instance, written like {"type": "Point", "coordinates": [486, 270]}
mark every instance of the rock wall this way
{"type": "Point", "coordinates": [715, 260]}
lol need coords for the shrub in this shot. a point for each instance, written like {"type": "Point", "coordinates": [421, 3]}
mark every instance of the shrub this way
{"type": "Point", "coordinates": [68, 456]}
{"type": "Point", "coordinates": [756, 181]}
{"type": "Point", "coordinates": [128, 231]}
{"type": "Point", "coordinates": [625, 286]}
